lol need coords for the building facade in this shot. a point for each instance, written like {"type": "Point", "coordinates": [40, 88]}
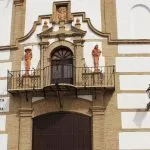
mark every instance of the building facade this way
{"type": "Point", "coordinates": [73, 74]}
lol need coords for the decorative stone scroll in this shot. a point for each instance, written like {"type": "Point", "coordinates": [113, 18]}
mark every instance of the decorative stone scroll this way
{"type": "Point", "coordinates": [62, 12]}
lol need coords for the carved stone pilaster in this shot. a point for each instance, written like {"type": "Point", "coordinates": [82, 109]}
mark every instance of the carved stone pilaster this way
{"type": "Point", "coordinates": [18, 20]}
{"type": "Point", "coordinates": [43, 47]}
{"type": "Point", "coordinates": [98, 127]}
{"type": "Point", "coordinates": [25, 129]}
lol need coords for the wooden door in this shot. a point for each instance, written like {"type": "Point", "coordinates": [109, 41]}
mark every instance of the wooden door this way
{"type": "Point", "coordinates": [62, 131]}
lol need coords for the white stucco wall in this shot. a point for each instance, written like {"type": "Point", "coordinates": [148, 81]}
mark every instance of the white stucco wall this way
{"type": "Point", "coordinates": [132, 100]}
{"type": "Point", "coordinates": [4, 104]}
{"type": "Point", "coordinates": [135, 120]}
{"type": "Point", "coordinates": [132, 64]}
{"type": "Point", "coordinates": [2, 122]}
{"type": "Point", "coordinates": [134, 49]}
{"type": "Point", "coordinates": [5, 21]}
{"type": "Point", "coordinates": [134, 141]}
{"type": "Point", "coordinates": [4, 67]}
{"type": "Point", "coordinates": [33, 12]}
{"type": "Point", "coordinates": [134, 82]}
{"type": "Point", "coordinates": [133, 19]}
{"type": "Point", "coordinates": [3, 87]}
{"type": "Point", "coordinates": [3, 141]}
{"type": "Point", "coordinates": [4, 55]}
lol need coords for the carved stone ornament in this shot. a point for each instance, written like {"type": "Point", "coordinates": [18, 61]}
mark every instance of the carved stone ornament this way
{"type": "Point", "coordinates": [18, 2]}
{"type": "Point", "coordinates": [62, 12]}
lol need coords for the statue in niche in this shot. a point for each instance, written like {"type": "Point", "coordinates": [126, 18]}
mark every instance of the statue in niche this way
{"type": "Point", "coordinates": [62, 13]}
{"type": "Point", "coordinates": [96, 52]}
{"type": "Point", "coordinates": [28, 57]}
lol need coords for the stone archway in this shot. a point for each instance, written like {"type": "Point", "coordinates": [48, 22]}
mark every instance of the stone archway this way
{"type": "Point", "coordinates": [62, 131]}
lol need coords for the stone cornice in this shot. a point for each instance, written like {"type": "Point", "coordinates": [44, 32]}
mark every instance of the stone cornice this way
{"type": "Point", "coordinates": [8, 47]}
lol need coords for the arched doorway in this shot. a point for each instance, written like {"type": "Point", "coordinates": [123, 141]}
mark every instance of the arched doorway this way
{"type": "Point", "coordinates": [62, 131]}
{"type": "Point", "coordinates": [62, 65]}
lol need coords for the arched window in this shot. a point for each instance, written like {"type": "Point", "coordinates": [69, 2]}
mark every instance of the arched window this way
{"type": "Point", "coordinates": [140, 22]}
{"type": "Point", "coordinates": [62, 65]}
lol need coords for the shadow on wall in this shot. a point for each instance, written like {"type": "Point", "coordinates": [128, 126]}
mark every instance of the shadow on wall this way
{"type": "Point", "coordinates": [139, 118]}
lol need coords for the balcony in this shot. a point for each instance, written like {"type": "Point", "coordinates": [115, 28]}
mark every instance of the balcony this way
{"type": "Point", "coordinates": [62, 77]}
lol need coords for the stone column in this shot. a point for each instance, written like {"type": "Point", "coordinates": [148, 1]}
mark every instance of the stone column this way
{"type": "Point", "coordinates": [25, 129]}
{"type": "Point", "coordinates": [98, 127]}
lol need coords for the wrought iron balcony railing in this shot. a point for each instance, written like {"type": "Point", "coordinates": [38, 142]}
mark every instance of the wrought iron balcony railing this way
{"type": "Point", "coordinates": [61, 74]}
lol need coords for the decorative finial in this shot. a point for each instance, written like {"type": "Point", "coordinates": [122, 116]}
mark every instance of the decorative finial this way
{"type": "Point", "coordinates": [45, 26]}
{"type": "Point", "coordinates": [77, 24]}
{"type": "Point", "coordinates": [78, 21]}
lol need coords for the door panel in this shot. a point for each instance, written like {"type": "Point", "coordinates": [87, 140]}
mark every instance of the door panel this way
{"type": "Point", "coordinates": [62, 131]}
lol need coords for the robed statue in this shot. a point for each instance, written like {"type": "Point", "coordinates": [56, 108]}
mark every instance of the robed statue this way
{"type": "Point", "coordinates": [96, 52]}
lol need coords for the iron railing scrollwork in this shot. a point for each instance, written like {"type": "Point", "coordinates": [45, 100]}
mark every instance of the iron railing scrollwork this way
{"type": "Point", "coordinates": [61, 74]}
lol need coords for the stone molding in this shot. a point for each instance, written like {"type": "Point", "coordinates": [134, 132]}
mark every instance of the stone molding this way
{"type": "Point", "coordinates": [25, 112]}
{"type": "Point", "coordinates": [98, 110]}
